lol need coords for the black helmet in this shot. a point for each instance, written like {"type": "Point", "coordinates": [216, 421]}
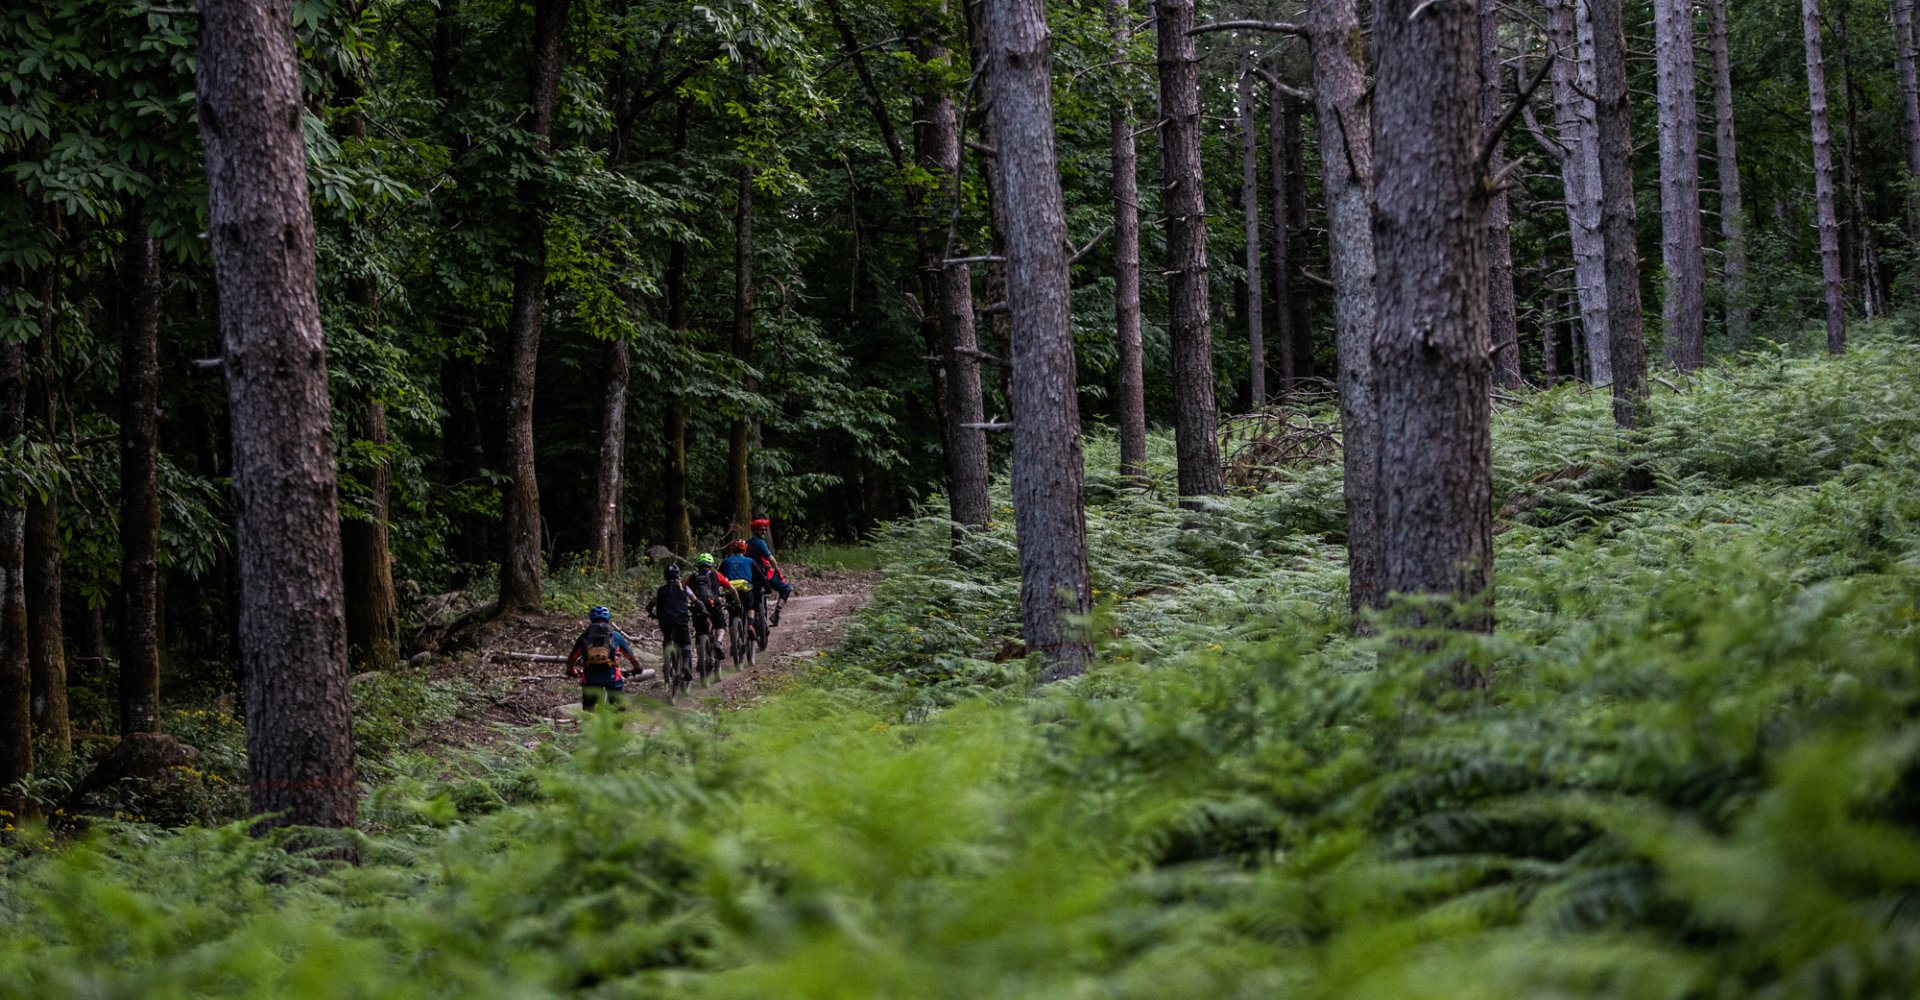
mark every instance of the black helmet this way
{"type": "Point", "coordinates": [673, 571]}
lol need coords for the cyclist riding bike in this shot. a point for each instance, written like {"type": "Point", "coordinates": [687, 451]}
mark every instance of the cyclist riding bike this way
{"type": "Point", "coordinates": [596, 661]}
{"type": "Point", "coordinates": [760, 550]}
{"type": "Point", "coordinates": [672, 607]}
{"type": "Point", "coordinates": [738, 569]}
{"type": "Point", "coordinates": [712, 596]}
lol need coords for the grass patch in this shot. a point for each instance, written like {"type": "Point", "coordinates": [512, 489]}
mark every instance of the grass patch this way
{"type": "Point", "coordinates": [827, 555]}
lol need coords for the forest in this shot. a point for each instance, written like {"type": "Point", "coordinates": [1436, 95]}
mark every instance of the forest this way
{"type": "Point", "coordinates": [1389, 498]}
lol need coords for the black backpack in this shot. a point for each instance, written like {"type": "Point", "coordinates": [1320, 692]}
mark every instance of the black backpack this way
{"type": "Point", "coordinates": [599, 644]}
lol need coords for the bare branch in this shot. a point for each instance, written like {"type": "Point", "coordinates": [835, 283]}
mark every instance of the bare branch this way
{"type": "Point", "coordinates": [1277, 27]}
{"type": "Point", "coordinates": [1280, 85]}
{"type": "Point", "coordinates": [1085, 250]}
{"type": "Point", "coordinates": [1492, 140]}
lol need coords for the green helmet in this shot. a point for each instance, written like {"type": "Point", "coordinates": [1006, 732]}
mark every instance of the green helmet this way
{"type": "Point", "coordinates": [704, 559]}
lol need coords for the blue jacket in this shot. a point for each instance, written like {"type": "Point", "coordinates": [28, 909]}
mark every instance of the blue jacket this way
{"type": "Point", "coordinates": [737, 567]}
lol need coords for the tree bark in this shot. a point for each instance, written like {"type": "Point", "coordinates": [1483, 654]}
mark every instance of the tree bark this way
{"type": "Point", "coordinates": [1184, 206]}
{"type": "Point", "coordinates": [521, 563]}
{"type": "Point", "coordinates": [16, 674]}
{"type": "Point", "coordinates": [1279, 159]}
{"type": "Point", "coordinates": [1578, 126]}
{"type": "Point", "coordinates": [609, 547]}
{"type": "Point", "coordinates": [1733, 236]}
{"type": "Point", "coordinates": [679, 525]}
{"type": "Point", "coordinates": [1250, 213]}
{"type": "Point", "coordinates": [1130, 408]}
{"type": "Point", "coordinates": [1298, 303]}
{"type": "Point", "coordinates": [1684, 307]}
{"type": "Point", "coordinates": [1903, 37]}
{"type": "Point", "coordinates": [1626, 347]}
{"type": "Point", "coordinates": [740, 438]}
{"type": "Point", "coordinates": [936, 136]}
{"type": "Point", "coordinates": [46, 643]}
{"type": "Point", "coordinates": [292, 622]}
{"type": "Point", "coordinates": [1049, 512]}
{"type": "Point", "coordinates": [373, 616]}
{"type": "Point", "coordinates": [1872, 297]}
{"type": "Point", "coordinates": [1502, 311]}
{"type": "Point", "coordinates": [1433, 369]}
{"type": "Point", "coordinates": [1823, 180]}
{"type": "Point", "coordinates": [139, 637]}
{"type": "Point", "coordinates": [1346, 168]}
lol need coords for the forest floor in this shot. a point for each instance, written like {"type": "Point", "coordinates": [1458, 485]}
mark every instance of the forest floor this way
{"type": "Point", "coordinates": [514, 693]}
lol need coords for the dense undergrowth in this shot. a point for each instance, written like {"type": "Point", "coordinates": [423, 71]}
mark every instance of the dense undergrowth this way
{"type": "Point", "coordinates": [1698, 774]}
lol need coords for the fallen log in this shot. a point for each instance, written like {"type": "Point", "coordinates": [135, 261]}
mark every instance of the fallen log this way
{"type": "Point", "coordinates": [535, 657]}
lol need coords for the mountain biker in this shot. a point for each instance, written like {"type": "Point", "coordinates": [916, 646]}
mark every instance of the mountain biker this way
{"type": "Point", "coordinates": [596, 660]}
{"type": "Point", "coordinates": [760, 550]}
{"type": "Point", "coordinates": [672, 607]}
{"type": "Point", "coordinates": [738, 569]}
{"type": "Point", "coordinates": [713, 596]}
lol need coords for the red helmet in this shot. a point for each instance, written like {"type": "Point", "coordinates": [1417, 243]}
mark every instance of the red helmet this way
{"type": "Point", "coordinates": [763, 523]}
{"type": "Point", "coordinates": [740, 545]}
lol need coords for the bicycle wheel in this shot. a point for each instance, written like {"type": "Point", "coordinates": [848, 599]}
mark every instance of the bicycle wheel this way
{"type": "Point", "coordinates": [674, 658]}
{"type": "Point", "coordinates": [760, 622]}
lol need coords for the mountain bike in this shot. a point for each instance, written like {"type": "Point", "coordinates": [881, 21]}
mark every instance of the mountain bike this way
{"type": "Point", "coordinates": [708, 662]}
{"type": "Point", "coordinates": [676, 661]}
{"type": "Point", "coordinates": [760, 626]}
{"type": "Point", "coordinates": [740, 635]}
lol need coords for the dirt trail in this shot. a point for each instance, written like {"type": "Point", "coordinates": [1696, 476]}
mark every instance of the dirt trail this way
{"type": "Point", "coordinates": [528, 693]}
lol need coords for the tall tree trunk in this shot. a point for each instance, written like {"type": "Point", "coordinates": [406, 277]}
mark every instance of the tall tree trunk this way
{"type": "Point", "coordinates": [292, 623]}
{"type": "Point", "coordinates": [1250, 213]}
{"type": "Point", "coordinates": [678, 523]}
{"type": "Point", "coordinates": [936, 136]}
{"type": "Point", "coordinates": [373, 617]}
{"type": "Point", "coordinates": [1342, 103]}
{"type": "Point", "coordinates": [740, 440]}
{"type": "Point", "coordinates": [609, 547]}
{"type": "Point", "coordinates": [1903, 38]}
{"type": "Point", "coordinates": [1279, 158]}
{"type": "Point", "coordinates": [139, 637]}
{"type": "Point", "coordinates": [16, 674]}
{"type": "Point", "coordinates": [1684, 307]}
{"type": "Point", "coordinates": [1130, 409]}
{"type": "Point", "coordinates": [1183, 201]}
{"type": "Point", "coordinates": [1733, 236]}
{"type": "Point", "coordinates": [1626, 349]}
{"type": "Point", "coordinates": [1823, 180]}
{"type": "Point", "coordinates": [1579, 130]}
{"type": "Point", "coordinates": [1301, 322]}
{"type": "Point", "coordinates": [521, 564]}
{"type": "Point", "coordinates": [1502, 312]}
{"type": "Point", "coordinates": [46, 643]}
{"type": "Point", "coordinates": [1049, 514]}
{"type": "Point", "coordinates": [1431, 353]}
{"type": "Point", "coordinates": [1872, 296]}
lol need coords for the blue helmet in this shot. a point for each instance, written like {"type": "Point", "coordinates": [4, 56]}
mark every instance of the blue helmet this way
{"type": "Point", "coordinates": [599, 614]}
